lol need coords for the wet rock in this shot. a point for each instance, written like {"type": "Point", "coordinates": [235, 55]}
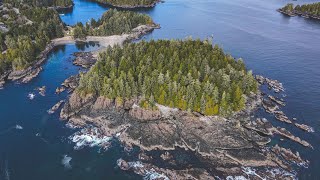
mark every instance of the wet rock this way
{"type": "Point", "coordinates": [34, 73]}
{"type": "Point", "coordinates": [55, 107]}
{"type": "Point", "coordinates": [2, 82]}
{"type": "Point", "coordinates": [269, 106]}
{"type": "Point", "coordinates": [166, 156]}
{"type": "Point", "coordinates": [149, 171]}
{"type": "Point", "coordinates": [144, 157]}
{"type": "Point", "coordinates": [288, 155]}
{"type": "Point", "coordinates": [72, 82]}
{"type": "Point", "coordinates": [283, 118]}
{"type": "Point", "coordinates": [60, 89]}
{"type": "Point", "coordinates": [285, 133]}
{"type": "Point", "coordinates": [276, 100]}
{"type": "Point", "coordinates": [275, 85]}
{"type": "Point", "coordinates": [260, 125]}
{"type": "Point", "coordinates": [304, 127]}
{"type": "Point", "coordinates": [261, 80]}
{"type": "Point", "coordinates": [42, 90]}
{"type": "Point", "coordinates": [84, 59]}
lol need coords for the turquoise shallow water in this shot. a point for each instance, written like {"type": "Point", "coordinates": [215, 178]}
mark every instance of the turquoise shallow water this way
{"type": "Point", "coordinates": [271, 44]}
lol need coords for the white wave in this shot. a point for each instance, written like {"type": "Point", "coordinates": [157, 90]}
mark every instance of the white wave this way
{"type": "Point", "coordinates": [236, 178]}
{"type": "Point", "coordinates": [90, 137]}
{"type": "Point", "coordinates": [150, 174]}
{"type": "Point", "coordinates": [6, 171]}
{"type": "Point", "coordinates": [31, 96]}
{"type": "Point", "coordinates": [250, 171]}
{"type": "Point", "coordinates": [66, 162]}
{"type": "Point", "coordinates": [18, 127]}
{"type": "Point", "coordinates": [153, 175]}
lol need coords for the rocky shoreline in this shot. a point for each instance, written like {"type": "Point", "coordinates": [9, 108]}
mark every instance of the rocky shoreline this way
{"type": "Point", "coordinates": [225, 144]}
{"type": "Point", "coordinates": [128, 7]}
{"type": "Point", "coordinates": [297, 13]}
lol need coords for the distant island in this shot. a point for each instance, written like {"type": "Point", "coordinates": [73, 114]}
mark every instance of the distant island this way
{"type": "Point", "coordinates": [129, 4]}
{"type": "Point", "coordinates": [305, 10]}
{"type": "Point", "coordinates": [112, 22]}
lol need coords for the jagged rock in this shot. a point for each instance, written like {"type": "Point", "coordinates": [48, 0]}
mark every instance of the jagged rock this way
{"type": "Point", "coordinates": [283, 118]}
{"type": "Point", "coordinates": [60, 90]}
{"type": "Point", "coordinates": [84, 59]}
{"type": "Point", "coordinates": [260, 125]}
{"type": "Point", "coordinates": [166, 156]}
{"type": "Point", "coordinates": [144, 114]}
{"type": "Point", "coordinates": [42, 90]}
{"type": "Point", "coordinates": [269, 106]}
{"type": "Point", "coordinates": [304, 127]}
{"type": "Point", "coordinates": [287, 134]}
{"type": "Point", "coordinates": [72, 82]}
{"type": "Point", "coordinates": [149, 171]}
{"type": "Point", "coordinates": [275, 85]}
{"type": "Point", "coordinates": [276, 100]}
{"type": "Point", "coordinates": [288, 155]}
{"type": "Point", "coordinates": [55, 107]}
{"type": "Point", "coordinates": [34, 73]}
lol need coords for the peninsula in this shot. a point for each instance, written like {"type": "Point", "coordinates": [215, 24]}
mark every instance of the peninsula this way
{"type": "Point", "coordinates": [25, 48]}
{"type": "Point", "coordinates": [129, 4]}
{"type": "Point", "coordinates": [305, 10]}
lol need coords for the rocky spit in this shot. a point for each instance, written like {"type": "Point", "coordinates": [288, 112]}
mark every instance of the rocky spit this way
{"type": "Point", "coordinates": [129, 7]}
{"type": "Point", "coordinates": [55, 107]}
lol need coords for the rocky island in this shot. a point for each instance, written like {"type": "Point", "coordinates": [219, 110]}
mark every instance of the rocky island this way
{"type": "Point", "coordinates": [129, 4]}
{"type": "Point", "coordinates": [167, 95]}
{"type": "Point", "coordinates": [305, 10]}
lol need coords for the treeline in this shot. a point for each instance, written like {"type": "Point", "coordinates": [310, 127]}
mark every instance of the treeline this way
{"type": "Point", "coordinates": [305, 9]}
{"type": "Point", "coordinates": [112, 22]}
{"type": "Point", "coordinates": [41, 3]}
{"type": "Point", "coordinates": [30, 30]}
{"type": "Point", "coordinates": [190, 75]}
{"type": "Point", "coordinates": [128, 3]}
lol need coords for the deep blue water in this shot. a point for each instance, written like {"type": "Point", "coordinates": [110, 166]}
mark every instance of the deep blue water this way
{"type": "Point", "coordinates": [273, 45]}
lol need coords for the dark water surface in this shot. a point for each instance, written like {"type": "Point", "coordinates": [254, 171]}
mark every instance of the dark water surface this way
{"type": "Point", "coordinates": [273, 45]}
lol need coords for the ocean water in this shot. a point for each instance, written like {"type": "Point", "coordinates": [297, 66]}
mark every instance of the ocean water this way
{"type": "Point", "coordinates": [271, 44]}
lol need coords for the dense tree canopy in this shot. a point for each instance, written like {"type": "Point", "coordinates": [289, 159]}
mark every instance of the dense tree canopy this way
{"type": "Point", "coordinates": [125, 3]}
{"type": "Point", "coordinates": [40, 3]}
{"type": "Point", "coordinates": [191, 75]}
{"type": "Point", "coordinates": [112, 22]}
{"type": "Point", "coordinates": [29, 30]}
{"type": "Point", "coordinates": [305, 9]}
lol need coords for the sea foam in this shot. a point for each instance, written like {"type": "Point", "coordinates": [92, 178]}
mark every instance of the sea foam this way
{"type": "Point", "coordinates": [90, 137]}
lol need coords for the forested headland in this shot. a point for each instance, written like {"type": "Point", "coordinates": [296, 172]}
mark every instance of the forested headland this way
{"type": "Point", "coordinates": [129, 4]}
{"type": "Point", "coordinates": [191, 75]}
{"type": "Point", "coordinates": [25, 32]}
{"type": "Point", "coordinates": [305, 10]}
{"type": "Point", "coordinates": [112, 22]}
{"type": "Point", "coordinates": [42, 3]}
